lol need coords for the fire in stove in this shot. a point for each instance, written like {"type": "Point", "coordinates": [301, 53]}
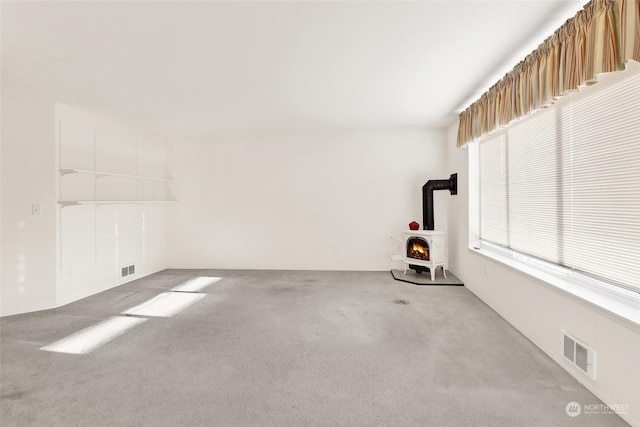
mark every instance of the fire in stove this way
{"type": "Point", "coordinates": [418, 249]}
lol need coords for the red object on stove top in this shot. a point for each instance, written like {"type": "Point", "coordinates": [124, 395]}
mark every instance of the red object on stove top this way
{"type": "Point", "coordinates": [414, 225]}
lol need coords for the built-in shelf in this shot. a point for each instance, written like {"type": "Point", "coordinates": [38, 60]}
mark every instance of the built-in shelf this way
{"type": "Point", "coordinates": [112, 202]}
{"type": "Point", "coordinates": [122, 175]}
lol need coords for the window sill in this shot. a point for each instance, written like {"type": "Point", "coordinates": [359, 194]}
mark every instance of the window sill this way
{"type": "Point", "coordinates": [620, 302]}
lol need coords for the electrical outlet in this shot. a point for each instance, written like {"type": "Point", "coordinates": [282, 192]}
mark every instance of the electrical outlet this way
{"type": "Point", "coordinates": [36, 209]}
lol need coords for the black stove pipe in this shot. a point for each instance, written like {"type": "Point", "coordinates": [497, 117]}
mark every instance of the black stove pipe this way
{"type": "Point", "coordinates": [450, 184]}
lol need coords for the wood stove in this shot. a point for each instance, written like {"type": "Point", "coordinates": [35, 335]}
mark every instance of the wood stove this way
{"type": "Point", "coordinates": [427, 249]}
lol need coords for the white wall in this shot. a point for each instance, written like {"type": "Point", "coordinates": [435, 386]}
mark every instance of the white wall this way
{"type": "Point", "coordinates": [95, 241]}
{"type": "Point", "coordinates": [325, 201]}
{"type": "Point", "coordinates": [540, 311]}
{"type": "Point", "coordinates": [27, 267]}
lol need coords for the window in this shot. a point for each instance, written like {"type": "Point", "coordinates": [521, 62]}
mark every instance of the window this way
{"type": "Point", "coordinates": [563, 184]}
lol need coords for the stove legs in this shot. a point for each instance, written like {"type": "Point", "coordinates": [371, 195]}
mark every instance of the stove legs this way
{"type": "Point", "coordinates": [432, 270]}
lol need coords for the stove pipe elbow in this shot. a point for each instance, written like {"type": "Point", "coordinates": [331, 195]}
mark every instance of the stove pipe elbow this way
{"type": "Point", "coordinates": [450, 184]}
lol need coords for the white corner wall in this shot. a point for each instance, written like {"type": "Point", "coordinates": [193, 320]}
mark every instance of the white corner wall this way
{"type": "Point", "coordinates": [28, 255]}
{"type": "Point", "coordinates": [540, 311]}
{"type": "Point", "coordinates": [323, 201]}
{"type": "Point", "coordinates": [96, 241]}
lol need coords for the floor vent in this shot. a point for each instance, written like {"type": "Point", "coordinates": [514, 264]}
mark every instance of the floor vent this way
{"type": "Point", "coordinates": [579, 354]}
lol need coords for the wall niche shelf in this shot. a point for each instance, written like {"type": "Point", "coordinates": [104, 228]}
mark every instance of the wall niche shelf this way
{"type": "Point", "coordinates": [98, 174]}
{"type": "Point", "coordinates": [121, 175]}
{"type": "Point", "coordinates": [112, 202]}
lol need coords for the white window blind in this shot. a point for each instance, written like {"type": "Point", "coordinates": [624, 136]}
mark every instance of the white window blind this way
{"type": "Point", "coordinates": [493, 212]}
{"type": "Point", "coordinates": [563, 184]}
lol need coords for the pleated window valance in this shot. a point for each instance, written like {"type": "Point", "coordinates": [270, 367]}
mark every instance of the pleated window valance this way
{"type": "Point", "coordinates": [599, 39]}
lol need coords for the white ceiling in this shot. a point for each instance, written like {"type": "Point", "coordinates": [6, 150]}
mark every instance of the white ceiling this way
{"type": "Point", "coordinates": [202, 68]}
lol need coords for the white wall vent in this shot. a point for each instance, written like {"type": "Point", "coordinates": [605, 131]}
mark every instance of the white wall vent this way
{"type": "Point", "coordinates": [579, 354]}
